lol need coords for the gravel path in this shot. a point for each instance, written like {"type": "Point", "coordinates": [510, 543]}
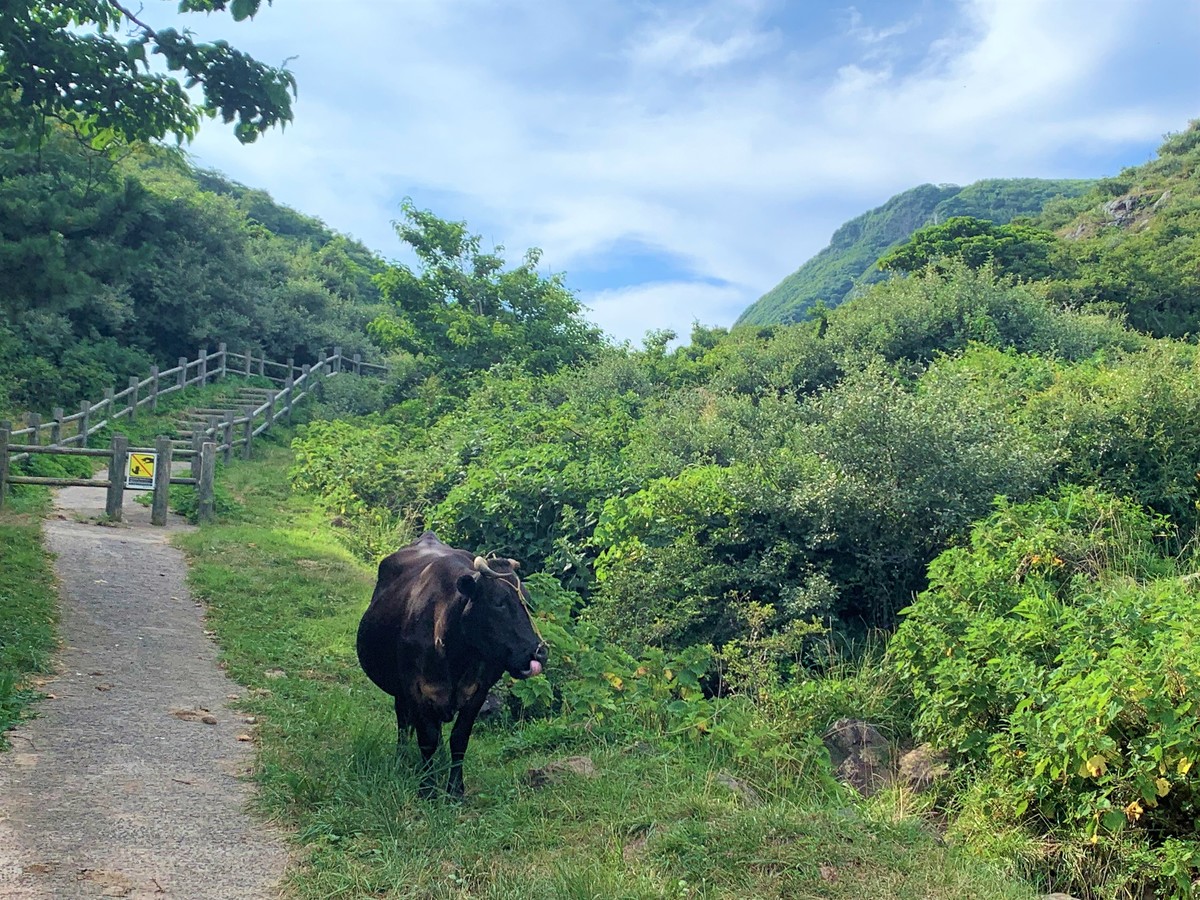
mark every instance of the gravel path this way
{"type": "Point", "coordinates": [126, 785]}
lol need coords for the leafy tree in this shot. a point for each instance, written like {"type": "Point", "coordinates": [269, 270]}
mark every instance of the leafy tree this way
{"type": "Point", "coordinates": [111, 264]}
{"type": "Point", "coordinates": [63, 61]}
{"type": "Point", "coordinates": [464, 310]}
{"type": "Point", "coordinates": [1014, 249]}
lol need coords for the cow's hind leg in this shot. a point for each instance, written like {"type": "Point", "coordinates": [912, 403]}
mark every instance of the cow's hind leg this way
{"type": "Point", "coordinates": [429, 735]}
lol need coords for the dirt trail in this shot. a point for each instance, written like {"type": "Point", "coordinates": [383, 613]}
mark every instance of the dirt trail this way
{"type": "Point", "coordinates": [126, 785]}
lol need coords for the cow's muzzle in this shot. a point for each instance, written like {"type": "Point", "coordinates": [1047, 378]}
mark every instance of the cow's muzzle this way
{"type": "Point", "coordinates": [537, 663]}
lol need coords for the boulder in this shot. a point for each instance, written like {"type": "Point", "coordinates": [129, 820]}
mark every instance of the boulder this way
{"type": "Point", "coordinates": [553, 772]}
{"type": "Point", "coordinates": [860, 755]}
{"type": "Point", "coordinates": [921, 767]}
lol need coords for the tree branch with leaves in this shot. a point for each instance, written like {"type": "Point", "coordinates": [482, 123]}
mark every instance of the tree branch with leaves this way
{"type": "Point", "coordinates": [87, 64]}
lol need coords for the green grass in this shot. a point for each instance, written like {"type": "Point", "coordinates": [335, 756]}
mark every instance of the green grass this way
{"type": "Point", "coordinates": [284, 598]}
{"type": "Point", "coordinates": [28, 606]}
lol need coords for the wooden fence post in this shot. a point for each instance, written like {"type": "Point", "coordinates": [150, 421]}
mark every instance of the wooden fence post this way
{"type": "Point", "coordinates": [262, 363]}
{"type": "Point", "coordinates": [197, 440]}
{"type": "Point", "coordinates": [204, 488]}
{"type": "Point", "coordinates": [35, 422]}
{"type": "Point", "coordinates": [85, 411]}
{"type": "Point", "coordinates": [248, 432]}
{"type": "Point", "coordinates": [154, 388]}
{"type": "Point", "coordinates": [227, 437]}
{"type": "Point", "coordinates": [224, 370]}
{"type": "Point", "coordinates": [162, 480]}
{"type": "Point", "coordinates": [337, 359]}
{"type": "Point", "coordinates": [249, 357]}
{"type": "Point", "coordinates": [182, 363]}
{"type": "Point", "coordinates": [116, 477]}
{"type": "Point", "coordinates": [270, 414]}
{"type": "Point", "coordinates": [109, 403]}
{"type": "Point", "coordinates": [133, 398]}
{"type": "Point", "coordinates": [4, 431]}
{"type": "Point", "coordinates": [357, 363]}
{"type": "Point", "coordinates": [203, 366]}
{"type": "Point", "coordinates": [56, 427]}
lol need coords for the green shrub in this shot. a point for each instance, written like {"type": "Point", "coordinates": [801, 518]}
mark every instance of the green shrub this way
{"type": "Point", "coordinates": [1059, 654]}
{"type": "Point", "coordinates": [1130, 425]}
{"type": "Point", "coordinates": [351, 395]}
{"type": "Point", "coordinates": [682, 559]}
{"type": "Point", "coordinates": [351, 466]}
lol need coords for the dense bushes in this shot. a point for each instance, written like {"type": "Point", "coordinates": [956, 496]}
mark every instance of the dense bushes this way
{"type": "Point", "coordinates": [1058, 653]}
{"type": "Point", "coordinates": [673, 489]}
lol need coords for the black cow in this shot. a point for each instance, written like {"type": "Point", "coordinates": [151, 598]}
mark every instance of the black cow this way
{"type": "Point", "coordinates": [442, 627]}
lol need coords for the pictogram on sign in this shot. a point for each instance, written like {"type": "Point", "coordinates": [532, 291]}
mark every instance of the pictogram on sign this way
{"type": "Point", "coordinates": [140, 476]}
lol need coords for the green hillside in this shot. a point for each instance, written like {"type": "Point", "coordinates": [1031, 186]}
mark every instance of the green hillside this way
{"type": "Point", "coordinates": [111, 263]}
{"type": "Point", "coordinates": [849, 261]}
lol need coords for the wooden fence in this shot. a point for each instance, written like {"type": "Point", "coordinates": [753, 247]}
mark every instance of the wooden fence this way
{"type": "Point", "coordinates": [223, 432]}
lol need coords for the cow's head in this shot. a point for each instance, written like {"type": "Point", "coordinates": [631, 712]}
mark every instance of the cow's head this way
{"type": "Point", "coordinates": [496, 620]}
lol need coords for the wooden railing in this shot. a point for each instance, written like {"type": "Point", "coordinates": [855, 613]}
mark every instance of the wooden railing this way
{"type": "Point", "coordinates": [221, 434]}
{"type": "Point", "coordinates": [118, 454]}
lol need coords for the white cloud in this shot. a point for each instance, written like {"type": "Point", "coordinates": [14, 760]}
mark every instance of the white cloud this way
{"type": "Point", "coordinates": [859, 30]}
{"type": "Point", "coordinates": [631, 312]}
{"type": "Point", "coordinates": [719, 34]}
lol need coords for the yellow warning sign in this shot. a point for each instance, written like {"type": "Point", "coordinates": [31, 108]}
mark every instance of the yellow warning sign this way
{"type": "Point", "coordinates": [140, 476]}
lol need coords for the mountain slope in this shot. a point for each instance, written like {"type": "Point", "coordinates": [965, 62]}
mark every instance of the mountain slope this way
{"type": "Point", "coordinates": [848, 262]}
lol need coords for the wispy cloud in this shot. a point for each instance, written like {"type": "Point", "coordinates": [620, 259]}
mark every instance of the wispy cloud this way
{"type": "Point", "coordinates": [868, 34]}
{"type": "Point", "coordinates": [693, 41]}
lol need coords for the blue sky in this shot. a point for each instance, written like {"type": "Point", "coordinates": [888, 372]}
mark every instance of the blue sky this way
{"type": "Point", "coordinates": [676, 160]}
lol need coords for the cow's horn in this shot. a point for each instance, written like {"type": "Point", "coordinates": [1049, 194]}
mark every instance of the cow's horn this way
{"type": "Point", "coordinates": [516, 565]}
{"type": "Point", "coordinates": [482, 566]}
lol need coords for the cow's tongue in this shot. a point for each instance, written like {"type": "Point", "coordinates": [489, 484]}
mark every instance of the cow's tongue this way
{"type": "Point", "coordinates": [535, 668]}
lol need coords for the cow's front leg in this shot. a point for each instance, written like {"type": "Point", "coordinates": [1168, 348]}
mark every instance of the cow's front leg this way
{"type": "Point", "coordinates": [429, 735]}
{"type": "Point", "coordinates": [460, 736]}
{"type": "Point", "coordinates": [402, 723]}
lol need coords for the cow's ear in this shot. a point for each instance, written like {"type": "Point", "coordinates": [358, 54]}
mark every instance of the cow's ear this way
{"type": "Point", "coordinates": [467, 584]}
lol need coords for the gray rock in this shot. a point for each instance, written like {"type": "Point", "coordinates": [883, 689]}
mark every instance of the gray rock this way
{"type": "Point", "coordinates": [552, 773]}
{"type": "Point", "coordinates": [921, 767]}
{"type": "Point", "coordinates": [741, 788]}
{"type": "Point", "coordinates": [861, 756]}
